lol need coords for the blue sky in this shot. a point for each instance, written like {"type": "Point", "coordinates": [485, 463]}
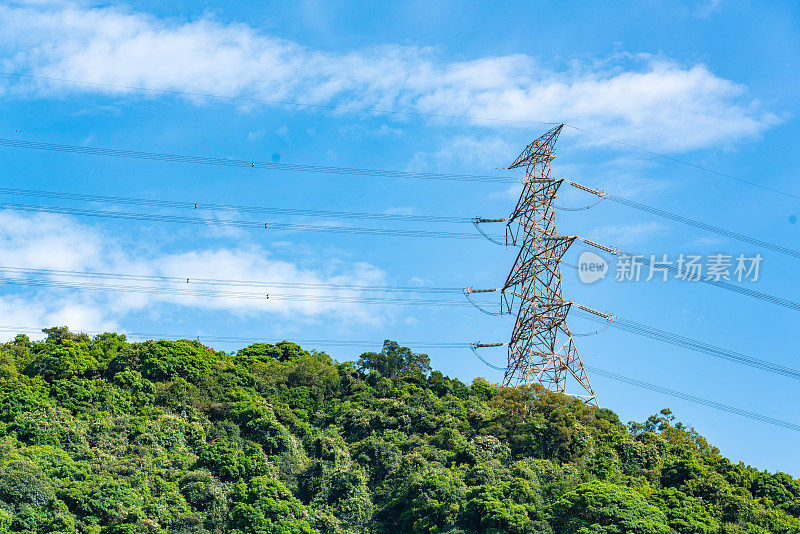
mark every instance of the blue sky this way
{"type": "Point", "coordinates": [713, 83]}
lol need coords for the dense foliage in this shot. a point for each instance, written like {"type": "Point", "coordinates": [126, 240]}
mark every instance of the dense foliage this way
{"type": "Point", "coordinates": [103, 436]}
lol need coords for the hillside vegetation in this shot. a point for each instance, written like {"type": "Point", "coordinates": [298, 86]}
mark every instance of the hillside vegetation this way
{"type": "Point", "coordinates": [103, 436]}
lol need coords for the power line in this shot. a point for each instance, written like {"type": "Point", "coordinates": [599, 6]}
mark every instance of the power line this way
{"type": "Point", "coordinates": [140, 141]}
{"type": "Point", "coordinates": [695, 399]}
{"type": "Point", "coordinates": [182, 287]}
{"type": "Point", "coordinates": [231, 223]}
{"type": "Point", "coordinates": [375, 216]}
{"type": "Point", "coordinates": [722, 284]}
{"type": "Point", "coordinates": [459, 345]}
{"type": "Point", "coordinates": [337, 170]}
{"type": "Point", "coordinates": [677, 340]}
{"type": "Point", "coordinates": [253, 339]}
{"type": "Point", "coordinates": [191, 205]}
{"type": "Point", "coordinates": [225, 281]}
{"type": "Point", "coordinates": [321, 213]}
{"type": "Point", "coordinates": [188, 290]}
{"type": "Point", "coordinates": [477, 354]}
{"type": "Point", "coordinates": [175, 92]}
{"type": "Point", "coordinates": [703, 226]}
{"type": "Point", "coordinates": [684, 162]}
{"type": "Point", "coordinates": [579, 208]}
{"type": "Point", "coordinates": [272, 165]}
{"type": "Point", "coordinates": [680, 395]}
{"type": "Point", "coordinates": [683, 220]}
{"type": "Point", "coordinates": [263, 296]}
{"type": "Point", "coordinates": [447, 346]}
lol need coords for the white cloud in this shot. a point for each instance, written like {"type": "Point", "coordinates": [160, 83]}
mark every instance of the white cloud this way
{"type": "Point", "coordinates": [468, 151]}
{"type": "Point", "coordinates": [511, 192]}
{"type": "Point", "coordinates": [630, 176]}
{"type": "Point", "coordinates": [55, 242]}
{"type": "Point", "coordinates": [252, 135]}
{"type": "Point", "coordinates": [400, 210]}
{"type": "Point", "coordinates": [81, 314]}
{"type": "Point", "coordinates": [637, 98]}
{"type": "Point", "coordinates": [708, 241]}
{"type": "Point", "coordinates": [360, 131]}
{"type": "Point", "coordinates": [48, 242]}
{"type": "Point", "coordinates": [706, 8]}
{"type": "Point", "coordinates": [622, 235]}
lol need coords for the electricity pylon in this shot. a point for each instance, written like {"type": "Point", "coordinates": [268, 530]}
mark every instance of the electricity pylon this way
{"type": "Point", "coordinates": [541, 349]}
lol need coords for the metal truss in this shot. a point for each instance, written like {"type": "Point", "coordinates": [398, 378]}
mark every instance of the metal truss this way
{"type": "Point", "coordinates": [541, 349]}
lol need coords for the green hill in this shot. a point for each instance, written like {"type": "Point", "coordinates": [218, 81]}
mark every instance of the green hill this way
{"type": "Point", "coordinates": [99, 435]}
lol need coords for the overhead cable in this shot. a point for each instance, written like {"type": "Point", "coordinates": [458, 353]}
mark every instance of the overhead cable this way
{"type": "Point", "coordinates": [678, 395]}
{"type": "Point", "coordinates": [237, 223]}
{"type": "Point", "coordinates": [250, 339]}
{"type": "Point", "coordinates": [208, 206]}
{"type": "Point", "coordinates": [195, 280]}
{"type": "Point", "coordinates": [375, 111]}
{"type": "Point", "coordinates": [687, 163]}
{"type": "Point", "coordinates": [695, 399]}
{"type": "Point", "coordinates": [722, 284]}
{"type": "Point", "coordinates": [677, 340]}
{"type": "Point", "coordinates": [272, 165]}
{"type": "Point", "coordinates": [690, 222]}
{"type": "Point", "coordinates": [264, 296]}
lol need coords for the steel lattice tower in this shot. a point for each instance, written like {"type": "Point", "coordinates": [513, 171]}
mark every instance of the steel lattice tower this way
{"type": "Point", "coordinates": [541, 349]}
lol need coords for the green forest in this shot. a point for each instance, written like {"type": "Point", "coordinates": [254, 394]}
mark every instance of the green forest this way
{"type": "Point", "coordinates": [105, 436]}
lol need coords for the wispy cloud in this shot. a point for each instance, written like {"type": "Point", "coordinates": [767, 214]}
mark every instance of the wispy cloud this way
{"type": "Point", "coordinates": [706, 8]}
{"type": "Point", "coordinates": [623, 235]}
{"type": "Point", "coordinates": [631, 176]}
{"type": "Point", "coordinates": [55, 242]}
{"type": "Point", "coordinates": [400, 210]}
{"type": "Point", "coordinates": [361, 131]}
{"type": "Point", "coordinates": [646, 99]}
{"type": "Point", "coordinates": [81, 314]}
{"type": "Point", "coordinates": [467, 151]}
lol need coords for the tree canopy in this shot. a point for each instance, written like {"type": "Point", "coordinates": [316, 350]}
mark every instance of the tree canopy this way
{"type": "Point", "coordinates": [102, 436]}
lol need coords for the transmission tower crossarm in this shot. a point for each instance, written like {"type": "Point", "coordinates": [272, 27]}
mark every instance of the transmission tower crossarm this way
{"type": "Point", "coordinates": [475, 290]}
{"type": "Point", "coordinates": [482, 220]}
{"type": "Point", "coordinates": [598, 192]}
{"type": "Point", "coordinates": [610, 250]}
{"type": "Point", "coordinates": [609, 316]}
